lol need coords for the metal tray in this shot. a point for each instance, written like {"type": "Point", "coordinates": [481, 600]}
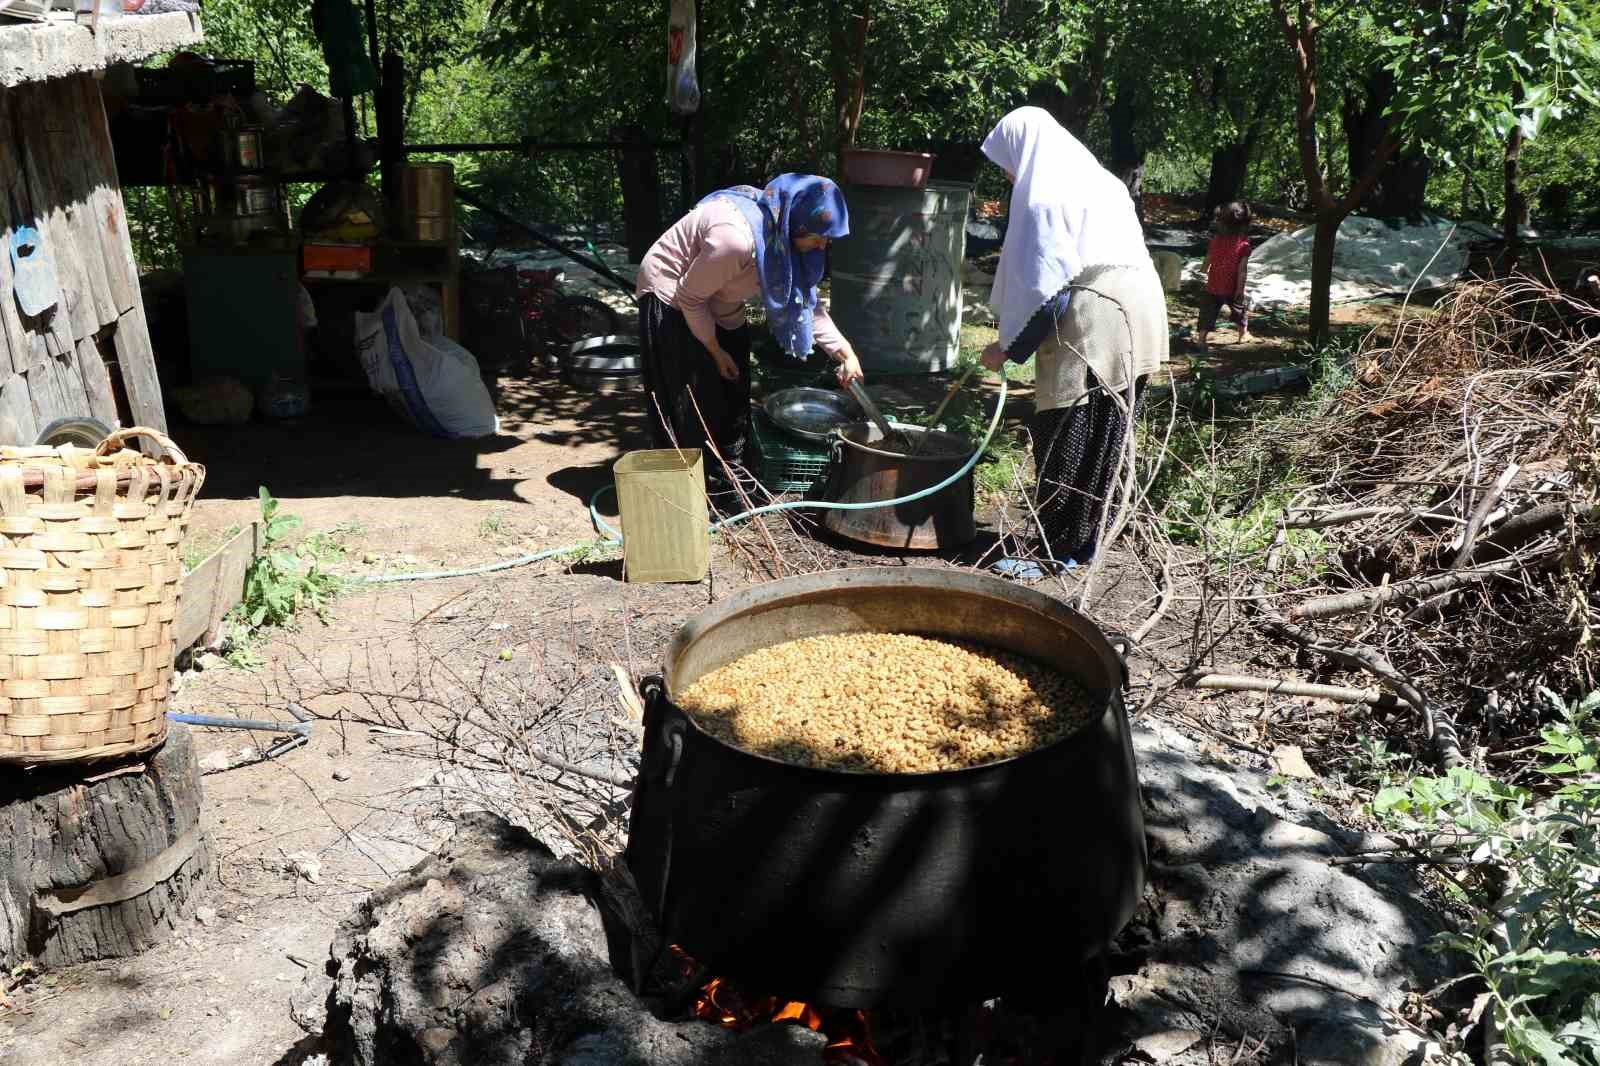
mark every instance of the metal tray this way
{"type": "Point", "coordinates": [811, 414]}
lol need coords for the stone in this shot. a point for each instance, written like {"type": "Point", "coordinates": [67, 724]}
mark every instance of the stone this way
{"type": "Point", "coordinates": [1289, 761]}
{"type": "Point", "coordinates": [205, 915]}
{"type": "Point", "coordinates": [341, 774]}
{"type": "Point", "coordinates": [1163, 1046]}
{"type": "Point", "coordinates": [214, 762]}
{"type": "Point", "coordinates": [1246, 928]}
{"type": "Point", "coordinates": [499, 944]}
{"type": "Point", "coordinates": [57, 49]}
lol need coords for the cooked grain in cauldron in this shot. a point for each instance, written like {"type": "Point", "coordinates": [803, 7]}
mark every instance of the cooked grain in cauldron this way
{"type": "Point", "coordinates": [887, 703]}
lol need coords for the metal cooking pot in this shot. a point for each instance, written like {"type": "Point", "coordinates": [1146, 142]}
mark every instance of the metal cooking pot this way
{"type": "Point", "coordinates": [861, 889]}
{"type": "Point", "coordinates": [863, 471]}
{"type": "Point", "coordinates": [811, 414]}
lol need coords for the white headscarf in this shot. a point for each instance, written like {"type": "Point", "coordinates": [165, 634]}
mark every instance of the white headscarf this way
{"type": "Point", "coordinates": [1067, 213]}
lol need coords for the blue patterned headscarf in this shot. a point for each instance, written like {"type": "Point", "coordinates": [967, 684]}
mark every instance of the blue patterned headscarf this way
{"type": "Point", "coordinates": [793, 205]}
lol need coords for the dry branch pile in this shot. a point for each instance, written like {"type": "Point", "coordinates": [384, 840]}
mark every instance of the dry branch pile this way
{"type": "Point", "coordinates": [1453, 486]}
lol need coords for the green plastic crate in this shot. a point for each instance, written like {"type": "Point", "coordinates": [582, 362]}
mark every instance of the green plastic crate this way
{"type": "Point", "coordinates": [784, 463]}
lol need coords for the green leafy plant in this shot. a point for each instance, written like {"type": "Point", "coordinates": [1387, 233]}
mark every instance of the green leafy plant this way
{"type": "Point", "coordinates": [1533, 887]}
{"type": "Point", "coordinates": [284, 580]}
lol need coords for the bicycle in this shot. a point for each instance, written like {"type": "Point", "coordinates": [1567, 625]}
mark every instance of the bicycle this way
{"type": "Point", "coordinates": [552, 321]}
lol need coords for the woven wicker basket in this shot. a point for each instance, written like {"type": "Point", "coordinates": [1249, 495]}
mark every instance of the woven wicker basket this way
{"type": "Point", "coordinates": [90, 564]}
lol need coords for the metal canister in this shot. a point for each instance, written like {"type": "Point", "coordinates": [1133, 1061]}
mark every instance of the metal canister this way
{"type": "Point", "coordinates": [427, 200]}
{"type": "Point", "coordinates": [256, 196]}
{"type": "Point", "coordinates": [241, 150]}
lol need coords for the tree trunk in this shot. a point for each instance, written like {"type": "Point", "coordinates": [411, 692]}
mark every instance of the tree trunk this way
{"type": "Point", "coordinates": [1402, 189]}
{"type": "Point", "coordinates": [93, 869]}
{"type": "Point", "coordinates": [1516, 214]}
{"type": "Point", "coordinates": [1322, 246]}
{"type": "Point", "coordinates": [641, 193]}
{"type": "Point", "coordinates": [1127, 154]}
{"type": "Point", "coordinates": [849, 39]}
{"type": "Point", "coordinates": [1230, 164]}
{"type": "Point", "coordinates": [1087, 76]}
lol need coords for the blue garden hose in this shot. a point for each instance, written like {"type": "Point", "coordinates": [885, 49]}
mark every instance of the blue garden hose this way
{"type": "Point", "coordinates": [612, 538]}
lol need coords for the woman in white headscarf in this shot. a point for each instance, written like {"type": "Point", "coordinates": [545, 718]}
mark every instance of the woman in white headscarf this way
{"type": "Point", "coordinates": [1076, 285]}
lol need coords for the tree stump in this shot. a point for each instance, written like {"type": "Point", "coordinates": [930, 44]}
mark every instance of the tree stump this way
{"type": "Point", "coordinates": [102, 860]}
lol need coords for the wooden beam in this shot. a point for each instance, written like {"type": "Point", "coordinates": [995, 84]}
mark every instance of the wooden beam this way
{"type": "Point", "coordinates": [17, 422]}
{"type": "Point", "coordinates": [63, 121]}
{"type": "Point", "coordinates": [12, 335]}
{"type": "Point", "coordinates": [138, 365]}
{"type": "Point", "coordinates": [110, 213]}
{"type": "Point", "coordinates": [214, 588]}
{"type": "Point", "coordinates": [97, 382]}
{"type": "Point", "coordinates": [74, 315]}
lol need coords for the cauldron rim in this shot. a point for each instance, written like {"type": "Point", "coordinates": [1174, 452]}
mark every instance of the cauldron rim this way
{"type": "Point", "coordinates": [829, 580]}
{"type": "Point", "coordinates": [843, 433]}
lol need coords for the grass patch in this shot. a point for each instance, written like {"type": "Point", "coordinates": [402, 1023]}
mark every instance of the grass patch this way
{"type": "Point", "coordinates": [1229, 468]}
{"type": "Point", "coordinates": [284, 580]}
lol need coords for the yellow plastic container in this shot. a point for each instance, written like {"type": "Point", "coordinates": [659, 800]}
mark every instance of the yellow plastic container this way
{"type": "Point", "coordinates": [666, 531]}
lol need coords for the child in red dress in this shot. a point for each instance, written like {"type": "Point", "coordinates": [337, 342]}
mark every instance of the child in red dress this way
{"type": "Point", "coordinates": [1227, 265]}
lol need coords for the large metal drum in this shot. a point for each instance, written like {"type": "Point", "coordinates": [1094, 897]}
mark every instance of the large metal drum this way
{"type": "Point", "coordinates": [897, 277]}
{"type": "Point", "coordinates": [858, 889]}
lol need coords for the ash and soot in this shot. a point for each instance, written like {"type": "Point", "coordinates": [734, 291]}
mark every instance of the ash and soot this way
{"type": "Point", "coordinates": [887, 703]}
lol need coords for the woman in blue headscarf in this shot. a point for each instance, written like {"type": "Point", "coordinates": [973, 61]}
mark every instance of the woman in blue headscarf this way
{"type": "Point", "coordinates": [736, 244]}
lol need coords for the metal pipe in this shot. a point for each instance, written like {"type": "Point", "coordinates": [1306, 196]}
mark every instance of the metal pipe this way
{"type": "Point", "coordinates": [301, 728]}
{"type": "Point", "coordinates": [549, 242]}
{"type": "Point", "coordinates": [531, 146]}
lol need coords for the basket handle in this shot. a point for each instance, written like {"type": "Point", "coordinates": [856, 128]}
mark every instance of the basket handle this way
{"type": "Point", "coordinates": [123, 436]}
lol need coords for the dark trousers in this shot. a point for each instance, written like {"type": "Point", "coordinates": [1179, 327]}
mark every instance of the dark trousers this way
{"type": "Point", "coordinates": [1211, 304]}
{"type": "Point", "coordinates": [1076, 452]}
{"type": "Point", "coordinates": [686, 394]}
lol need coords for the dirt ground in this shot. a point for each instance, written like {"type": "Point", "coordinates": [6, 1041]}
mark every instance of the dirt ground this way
{"type": "Point", "coordinates": [299, 840]}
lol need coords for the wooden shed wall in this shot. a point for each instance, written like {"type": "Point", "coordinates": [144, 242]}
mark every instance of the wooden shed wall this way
{"type": "Point", "coordinates": [58, 174]}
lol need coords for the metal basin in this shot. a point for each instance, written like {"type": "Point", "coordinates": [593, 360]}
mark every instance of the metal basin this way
{"type": "Point", "coordinates": [864, 889]}
{"type": "Point", "coordinates": [811, 414]}
{"type": "Point", "coordinates": [603, 364]}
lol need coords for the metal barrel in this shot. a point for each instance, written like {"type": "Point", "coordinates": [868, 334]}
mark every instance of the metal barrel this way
{"type": "Point", "coordinates": [427, 196]}
{"type": "Point", "coordinates": [897, 277]}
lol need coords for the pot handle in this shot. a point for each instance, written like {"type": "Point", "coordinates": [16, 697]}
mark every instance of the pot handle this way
{"type": "Point", "coordinates": [654, 690]}
{"type": "Point", "coordinates": [1122, 646]}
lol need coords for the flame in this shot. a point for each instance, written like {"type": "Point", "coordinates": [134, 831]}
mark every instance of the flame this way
{"type": "Point", "coordinates": [849, 1032]}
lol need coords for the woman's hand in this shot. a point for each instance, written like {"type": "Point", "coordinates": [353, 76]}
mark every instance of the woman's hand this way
{"type": "Point", "coordinates": [994, 357]}
{"type": "Point", "coordinates": [725, 364]}
{"type": "Point", "coordinates": [849, 369]}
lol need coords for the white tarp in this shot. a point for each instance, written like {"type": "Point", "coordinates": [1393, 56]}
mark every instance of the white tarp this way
{"type": "Point", "coordinates": [1371, 257]}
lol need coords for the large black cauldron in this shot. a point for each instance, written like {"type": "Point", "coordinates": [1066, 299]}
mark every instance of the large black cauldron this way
{"type": "Point", "coordinates": [859, 889]}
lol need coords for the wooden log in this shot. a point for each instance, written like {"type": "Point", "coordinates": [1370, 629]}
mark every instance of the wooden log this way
{"type": "Point", "coordinates": [214, 588]}
{"type": "Point", "coordinates": [111, 215]}
{"type": "Point", "coordinates": [62, 119]}
{"type": "Point", "coordinates": [138, 365]}
{"type": "Point", "coordinates": [100, 862]}
{"type": "Point", "coordinates": [74, 316]}
{"type": "Point", "coordinates": [97, 382]}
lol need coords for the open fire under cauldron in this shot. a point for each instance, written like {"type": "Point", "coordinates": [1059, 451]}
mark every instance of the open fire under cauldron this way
{"type": "Point", "coordinates": [865, 890]}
